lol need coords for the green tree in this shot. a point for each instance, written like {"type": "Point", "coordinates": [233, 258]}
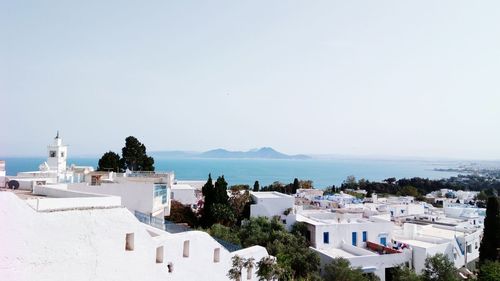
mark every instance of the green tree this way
{"type": "Point", "coordinates": [294, 257]}
{"type": "Point", "coordinates": [109, 161]}
{"type": "Point", "coordinates": [439, 268]}
{"type": "Point", "coordinates": [408, 191]}
{"type": "Point", "coordinates": [223, 232]}
{"type": "Point", "coordinates": [292, 253]}
{"type": "Point", "coordinates": [490, 244]}
{"type": "Point", "coordinates": [305, 184]}
{"type": "Point", "coordinates": [489, 271]}
{"type": "Point", "coordinates": [481, 196]}
{"type": "Point", "coordinates": [404, 273]}
{"type": "Point", "coordinates": [249, 264]}
{"type": "Point", "coordinates": [222, 214]}
{"type": "Point", "coordinates": [237, 264]}
{"type": "Point", "coordinates": [134, 156]}
{"type": "Point", "coordinates": [340, 270]}
{"type": "Point", "coordinates": [221, 196]}
{"type": "Point", "coordinates": [266, 269]}
{"type": "Point", "coordinates": [182, 214]}
{"type": "Point", "coordinates": [239, 202]}
{"type": "Point", "coordinates": [295, 185]}
{"type": "Point", "coordinates": [208, 191]}
{"type": "Point", "coordinates": [350, 183]}
{"type": "Point", "coordinates": [256, 186]}
{"type": "Point", "coordinates": [300, 229]}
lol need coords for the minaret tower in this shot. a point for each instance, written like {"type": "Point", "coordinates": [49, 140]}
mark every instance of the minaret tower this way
{"type": "Point", "coordinates": [57, 153]}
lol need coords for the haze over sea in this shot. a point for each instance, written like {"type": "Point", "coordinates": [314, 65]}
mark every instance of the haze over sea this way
{"type": "Point", "coordinates": [323, 172]}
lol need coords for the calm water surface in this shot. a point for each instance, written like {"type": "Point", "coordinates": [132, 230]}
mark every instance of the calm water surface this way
{"type": "Point", "coordinates": [245, 171]}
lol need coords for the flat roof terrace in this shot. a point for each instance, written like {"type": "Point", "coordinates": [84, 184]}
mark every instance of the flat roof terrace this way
{"type": "Point", "coordinates": [270, 195]}
{"type": "Point", "coordinates": [22, 194]}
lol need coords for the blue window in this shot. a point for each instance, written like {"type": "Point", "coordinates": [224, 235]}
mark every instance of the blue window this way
{"type": "Point", "coordinates": [161, 191]}
{"type": "Point", "coordinates": [326, 237]}
{"type": "Point", "coordinates": [383, 241]}
{"type": "Point", "coordinates": [364, 236]}
{"type": "Point", "coordinates": [354, 238]}
{"type": "Point", "coordinates": [392, 213]}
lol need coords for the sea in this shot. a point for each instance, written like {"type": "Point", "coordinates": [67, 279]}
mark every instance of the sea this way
{"type": "Point", "coordinates": [323, 172]}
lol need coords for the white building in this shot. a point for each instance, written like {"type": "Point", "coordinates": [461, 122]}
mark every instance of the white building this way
{"type": "Point", "coordinates": [185, 194]}
{"type": "Point", "coordinates": [2, 173]}
{"type": "Point", "coordinates": [270, 204]}
{"type": "Point", "coordinates": [147, 193]}
{"type": "Point", "coordinates": [365, 242]}
{"type": "Point", "coordinates": [68, 235]}
{"type": "Point", "coordinates": [54, 170]}
{"type": "Point", "coordinates": [459, 244]}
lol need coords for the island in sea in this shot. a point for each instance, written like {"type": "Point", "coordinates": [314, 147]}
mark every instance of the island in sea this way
{"type": "Point", "coordinates": [260, 153]}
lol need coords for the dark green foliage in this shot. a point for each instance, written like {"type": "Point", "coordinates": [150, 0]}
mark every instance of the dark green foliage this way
{"type": "Point", "coordinates": [369, 193]}
{"type": "Point", "coordinates": [239, 187]}
{"type": "Point", "coordinates": [182, 214]}
{"type": "Point", "coordinates": [290, 188]}
{"type": "Point", "coordinates": [256, 186]}
{"type": "Point", "coordinates": [350, 183]}
{"type": "Point", "coordinates": [221, 196]}
{"type": "Point", "coordinates": [340, 270]}
{"type": "Point", "coordinates": [481, 196]}
{"type": "Point", "coordinates": [226, 233]}
{"type": "Point", "coordinates": [295, 185]}
{"type": "Point", "coordinates": [489, 271]}
{"type": "Point", "coordinates": [216, 208]}
{"type": "Point", "coordinates": [208, 191]}
{"type": "Point", "coordinates": [110, 161]}
{"type": "Point", "coordinates": [223, 214]}
{"type": "Point", "coordinates": [134, 156]}
{"type": "Point", "coordinates": [300, 229]}
{"type": "Point", "coordinates": [331, 190]}
{"type": "Point", "coordinates": [291, 251]}
{"type": "Point", "coordinates": [439, 268]}
{"type": "Point", "coordinates": [488, 184]}
{"type": "Point", "coordinates": [490, 244]}
{"type": "Point", "coordinates": [404, 273]}
{"type": "Point", "coordinates": [240, 204]}
{"type": "Point", "coordinates": [408, 191]}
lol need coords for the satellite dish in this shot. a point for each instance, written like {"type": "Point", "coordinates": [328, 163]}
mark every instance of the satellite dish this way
{"type": "Point", "coordinates": [13, 184]}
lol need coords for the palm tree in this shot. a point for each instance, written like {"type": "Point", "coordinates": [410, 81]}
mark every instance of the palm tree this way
{"type": "Point", "coordinates": [237, 266]}
{"type": "Point", "coordinates": [249, 264]}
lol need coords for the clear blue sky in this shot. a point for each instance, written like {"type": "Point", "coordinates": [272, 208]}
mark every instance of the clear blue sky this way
{"type": "Point", "coordinates": [396, 78]}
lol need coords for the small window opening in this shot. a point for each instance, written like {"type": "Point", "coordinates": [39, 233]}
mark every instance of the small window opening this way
{"type": "Point", "coordinates": [216, 254]}
{"type": "Point", "coordinates": [185, 251]}
{"type": "Point", "coordinates": [129, 242]}
{"type": "Point", "coordinates": [159, 254]}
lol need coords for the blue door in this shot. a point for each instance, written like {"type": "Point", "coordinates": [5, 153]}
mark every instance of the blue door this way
{"type": "Point", "coordinates": [383, 241]}
{"type": "Point", "coordinates": [354, 238]}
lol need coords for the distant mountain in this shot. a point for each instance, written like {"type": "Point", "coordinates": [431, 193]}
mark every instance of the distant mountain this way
{"type": "Point", "coordinates": [261, 153]}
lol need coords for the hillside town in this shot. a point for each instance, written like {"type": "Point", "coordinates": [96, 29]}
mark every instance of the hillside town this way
{"type": "Point", "coordinates": [69, 222]}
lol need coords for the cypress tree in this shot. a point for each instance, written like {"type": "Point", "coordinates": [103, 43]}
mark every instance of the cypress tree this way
{"type": "Point", "coordinates": [256, 186]}
{"type": "Point", "coordinates": [221, 196]}
{"type": "Point", "coordinates": [296, 185]}
{"type": "Point", "coordinates": [208, 191]}
{"type": "Point", "coordinates": [490, 244]}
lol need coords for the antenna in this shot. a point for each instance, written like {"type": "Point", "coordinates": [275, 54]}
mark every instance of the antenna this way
{"type": "Point", "coordinates": [57, 136]}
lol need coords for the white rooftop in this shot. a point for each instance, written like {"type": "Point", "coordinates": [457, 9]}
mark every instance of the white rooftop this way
{"type": "Point", "coordinates": [269, 195]}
